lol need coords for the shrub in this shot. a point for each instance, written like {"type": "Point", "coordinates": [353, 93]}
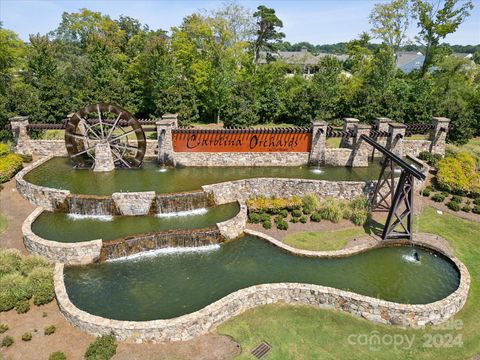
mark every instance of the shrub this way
{"type": "Point", "coordinates": [316, 217]}
{"type": "Point", "coordinates": [40, 281]}
{"type": "Point", "coordinates": [3, 328]}
{"type": "Point", "coordinates": [456, 198]}
{"type": "Point", "coordinates": [284, 213]}
{"type": "Point", "coordinates": [453, 205]}
{"type": "Point", "coordinates": [429, 158]}
{"type": "Point", "coordinates": [277, 219]}
{"type": "Point", "coordinates": [22, 306]}
{"type": "Point", "coordinates": [274, 205]}
{"type": "Point", "coordinates": [26, 158]}
{"type": "Point", "coordinates": [282, 225]}
{"type": "Point", "coordinates": [310, 203]}
{"type": "Point", "coordinates": [476, 201]}
{"type": "Point", "coordinates": [264, 217]}
{"type": "Point", "coordinates": [267, 224]}
{"type": "Point", "coordinates": [254, 217]}
{"type": "Point", "coordinates": [476, 209]}
{"type": "Point", "coordinates": [4, 149]}
{"type": "Point", "coordinates": [294, 220]}
{"type": "Point", "coordinates": [27, 336]}
{"type": "Point", "coordinates": [10, 261]}
{"type": "Point", "coordinates": [7, 341]}
{"type": "Point", "coordinates": [57, 355]}
{"type": "Point", "coordinates": [103, 348]}
{"type": "Point", "coordinates": [467, 208]}
{"type": "Point", "coordinates": [425, 192]}
{"type": "Point", "coordinates": [10, 164]}
{"type": "Point", "coordinates": [49, 330]}
{"type": "Point", "coordinates": [458, 174]}
{"type": "Point", "coordinates": [331, 210]}
{"type": "Point", "coordinates": [438, 197]}
{"type": "Point", "coordinates": [297, 213]}
{"type": "Point", "coordinates": [303, 219]}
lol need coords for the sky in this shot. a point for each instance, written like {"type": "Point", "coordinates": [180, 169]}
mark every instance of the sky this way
{"type": "Point", "coordinates": [315, 21]}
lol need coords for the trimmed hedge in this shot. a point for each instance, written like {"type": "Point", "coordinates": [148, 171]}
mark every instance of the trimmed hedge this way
{"type": "Point", "coordinates": [10, 164]}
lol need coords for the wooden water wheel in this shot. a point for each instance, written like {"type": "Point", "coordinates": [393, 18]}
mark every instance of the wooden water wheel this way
{"type": "Point", "coordinates": [107, 124]}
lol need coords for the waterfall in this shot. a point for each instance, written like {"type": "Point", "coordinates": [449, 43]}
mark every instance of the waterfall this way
{"type": "Point", "coordinates": [91, 205]}
{"type": "Point", "coordinates": [176, 203]}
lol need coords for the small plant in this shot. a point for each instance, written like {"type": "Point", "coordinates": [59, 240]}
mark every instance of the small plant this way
{"type": "Point", "coordinates": [316, 217]}
{"type": "Point", "coordinates": [294, 220]}
{"type": "Point", "coordinates": [453, 205]}
{"type": "Point", "coordinates": [3, 328]}
{"type": "Point", "coordinates": [278, 218]}
{"type": "Point", "coordinates": [282, 225]}
{"type": "Point", "coordinates": [44, 314]}
{"type": "Point", "coordinates": [331, 210]}
{"type": "Point", "coordinates": [303, 219]}
{"type": "Point", "coordinates": [456, 198]}
{"type": "Point", "coordinates": [254, 217]}
{"type": "Point", "coordinates": [310, 203]}
{"type": "Point", "coordinates": [103, 348]}
{"type": "Point", "coordinates": [22, 306]}
{"type": "Point", "coordinates": [27, 336]}
{"type": "Point", "coordinates": [58, 355]}
{"type": "Point", "coordinates": [7, 341]}
{"type": "Point", "coordinates": [49, 330]}
{"type": "Point", "coordinates": [438, 197]}
{"type": "Point", "coordinates": [283, 213]}
{"type": "Point", "coordinates": [476, 209]}
{"type": "Point", "coordinates": [267, 224]}
{"type": "Point", "coordinates": [466, 208]}
{"type": "Point", "coordinates": [425, 192]}
{"type": "Point", "coordinates": [476, 201]}
{"type": "Point", "coordinates": [296, 213]}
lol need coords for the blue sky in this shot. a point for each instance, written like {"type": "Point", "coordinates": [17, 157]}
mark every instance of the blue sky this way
{"type": "Point", "coordinates": [316, 21]}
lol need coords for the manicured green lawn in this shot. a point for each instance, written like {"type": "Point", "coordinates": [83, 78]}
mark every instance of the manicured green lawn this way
{"type": "Point", "coordinates": [303, 332]}
{"type": "Point", "coordinates": [323, 240]}
{"type": "Point", "coordinates": [3, 223]}
{"type": "Point", "coordinates": [333, 143]}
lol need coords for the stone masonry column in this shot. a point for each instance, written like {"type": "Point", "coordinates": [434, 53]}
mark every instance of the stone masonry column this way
{"type": "Point", "coordinates": [317, 147]}
{"type": "Point", "coordinates": [103, 158]}
{"type": "Point", "coordinates": [20, 134]}
{"type": "Point", "coordinates": [361, 149]}
{"type": "Point", "coordinates": [438, 135]}
{"type": "Point", "coordinates": [395, 141]}
{"type": "Point", "coordinates": [166, 155]}
{"type": "Point", "coordinates": [348, 124]}
{"type": "Point", "coordinates": [382, 123]}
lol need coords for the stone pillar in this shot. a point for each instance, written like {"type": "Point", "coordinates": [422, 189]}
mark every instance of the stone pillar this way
{"type": "Point", "coordinates": [166, 155]}
{"type": "Point", "coordinates": [348, 124]}
{"type": "Point", "coordinates": [20, 134]}
{"type": "Point", "coordinates": [438, 135]}
{"type": "Point", "coordinates": [317, 147]}
{"type": "Point", "coordinates": [381, 123]}
{"type": "Point", "coordinates": [361, 149]}
{"type": "Point", "coordinates": [103, 158]}
{"type": "Point", "coordinates": [395, 141]}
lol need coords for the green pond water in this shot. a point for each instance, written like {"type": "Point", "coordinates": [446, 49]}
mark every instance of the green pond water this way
{"type": "Point", "coordinates": [169, 285]}
{"type": "Point", "coordinates": [59, 173]}
{"type": "Point", "coordinates": [70, 228]}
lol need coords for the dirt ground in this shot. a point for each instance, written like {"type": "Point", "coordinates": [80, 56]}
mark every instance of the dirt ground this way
{"type": "Point", "coordinates": [67, 338]}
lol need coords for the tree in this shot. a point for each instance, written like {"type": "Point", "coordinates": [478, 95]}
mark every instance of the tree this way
{"type": "Point", "coordinates": [436, 23]}
{"type": "Point", "coordinates": [390, 23]}
{"type": "Point", "coordinates": [239, 20]}
{"type": "Point", "coordinates": [267, 33]}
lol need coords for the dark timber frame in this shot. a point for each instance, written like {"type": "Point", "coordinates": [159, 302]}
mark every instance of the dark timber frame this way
{"type": "Point", "coordinates": [403, 194]}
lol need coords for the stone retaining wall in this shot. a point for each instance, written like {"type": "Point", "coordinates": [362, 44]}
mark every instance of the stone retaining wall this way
{"type": "Point", "coordinates": [200, 322]}
{"type": "Point", "coordinates": [242, 190]}
{"type": "Point", "coordinates": [241, 159]}
{"type": "Point", "coordinates": [415, 147]}
{"type": "Point", "coordinates": [48, 198]}
{"type": "Point", "coordinates": [233, 228]}
{"type": "Point", "coordinates": [79, 253]}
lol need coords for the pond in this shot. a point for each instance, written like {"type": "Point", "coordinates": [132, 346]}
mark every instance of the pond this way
{"type": "Point", "coordinates": [59, 173]}
{"type": "Point", "coordinates": [72, 228]}
{"type": "Point", "coordinates": [174, 283]}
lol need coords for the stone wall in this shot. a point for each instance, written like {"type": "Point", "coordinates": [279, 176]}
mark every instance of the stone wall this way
{"type": "Point", "coordinates": [338, 157]}
{"type": "Point", "coordinates": [241, 159]}
{"type": "Point", "coordinates": [45, 197]}
{"type": "Point", "coordinates": [242, 190]}
{"type": "Point", "coordinates": [233, 228]}
{"type": "Point", "coordinates": [202, 321]}
{"type": "Point", "coordinates": [69, 253]}
{"type": "Point", "coordinates": [415, 147]}
{"type": "Point", "coordinates": [134, 203]}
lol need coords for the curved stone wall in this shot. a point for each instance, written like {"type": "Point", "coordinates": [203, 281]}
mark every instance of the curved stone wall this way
{"type": "Point", "coordinates": [79, 253]}
{"type": "Point", "coordinates": [197, 323]}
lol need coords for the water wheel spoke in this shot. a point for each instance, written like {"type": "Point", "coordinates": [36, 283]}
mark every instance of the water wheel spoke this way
{"type": "Point", "coordinates": [114, 125]}
{"type": "Point", "coordinates": [119, 157]}
{"type": "Point", "coordinates": [124, 134]}
{"type": "Point", "coordinates": [84, 151]}
{"type": "Point", "coordinates": [100, 121]}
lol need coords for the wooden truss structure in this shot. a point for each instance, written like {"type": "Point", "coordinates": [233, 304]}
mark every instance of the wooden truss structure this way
{"type": "Point", "coordinates": [398, 200]}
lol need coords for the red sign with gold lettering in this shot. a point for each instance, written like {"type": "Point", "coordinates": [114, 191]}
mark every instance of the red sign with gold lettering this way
{"type": "Point", "coordinates": [242, 140]}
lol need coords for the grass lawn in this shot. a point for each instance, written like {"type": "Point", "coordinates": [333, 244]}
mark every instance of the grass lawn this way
{"type": "Point", "coordinates": [333, 143]}
{"type": "Point", "coordinates": [417, 137]}
{"type": "Point", "coordinates": [323, 240]}
{"type": "Point", "coordinates": [303, 332]}
{"type": "Point", "coordinates": [3, 223]}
